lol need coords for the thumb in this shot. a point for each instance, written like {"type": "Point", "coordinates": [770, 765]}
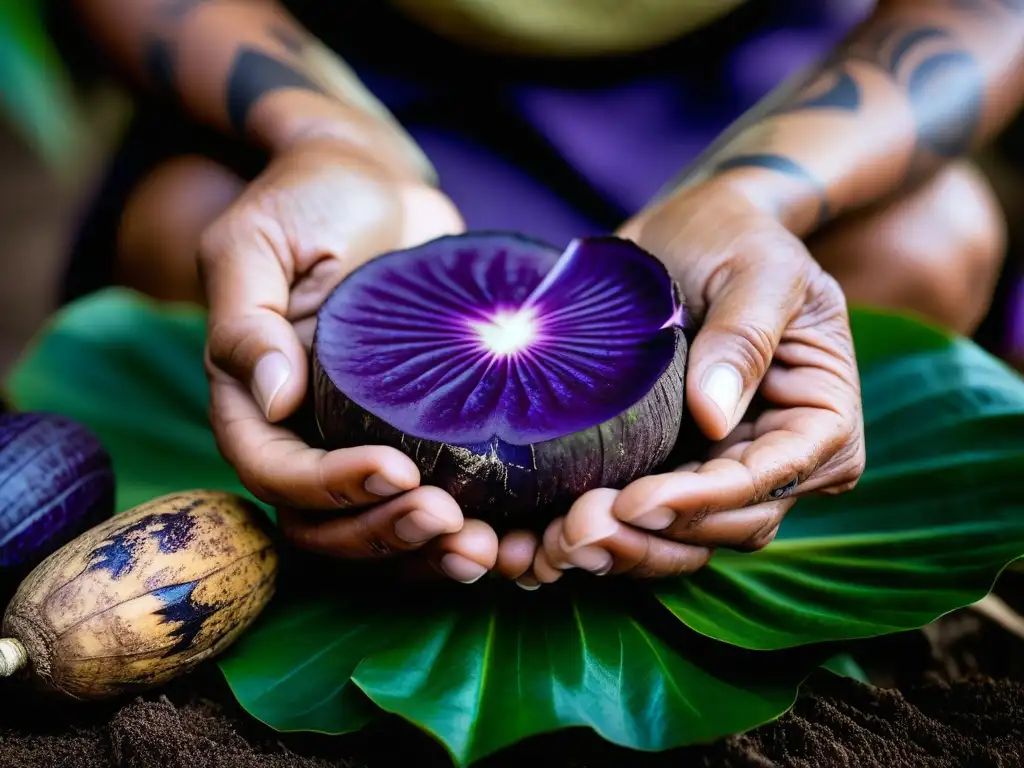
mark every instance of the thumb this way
{"type": "Point", "coordinates": [249, 337]}
{"type": "Point", "coordinates": [750, 305]}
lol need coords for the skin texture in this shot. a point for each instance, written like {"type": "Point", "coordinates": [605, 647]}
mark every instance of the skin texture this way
{"type": "Point", "coordinates": [861, 153]}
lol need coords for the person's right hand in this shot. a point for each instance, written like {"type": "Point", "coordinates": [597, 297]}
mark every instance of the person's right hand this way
{"type": "Point", "coordinates": [316, 213]}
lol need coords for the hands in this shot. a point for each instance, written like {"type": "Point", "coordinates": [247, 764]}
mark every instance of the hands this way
{"type": "Point", "coordinates": [775, 324]}
{"type": "Point", "coordinates": [316, 213]}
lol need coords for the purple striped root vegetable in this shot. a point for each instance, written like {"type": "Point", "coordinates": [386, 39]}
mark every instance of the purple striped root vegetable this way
{"type": "Point", "coordinates": [56, 482]}
{"type": "Point", "coordinates": [517, 377]}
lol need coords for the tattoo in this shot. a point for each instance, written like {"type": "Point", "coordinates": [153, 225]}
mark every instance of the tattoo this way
{"type": "Point", "coordinates": [159, 63]}
{"type": "Point", "coordinates": [784, 490]}
{"type": "Point", "coordinates": [1015, 7]}
{"type": "Point", "coordinates": [840, 92]}
{"type": "Point", "coordinates": [779, 164]}
{"type": "Point", "coordinates": [944, 84]}
{"type": "Point", "coordinates": [253, 75]}
{"type": "Point", "coordinates": [159, 52]}
{"type": "Point", "coordinates": [945, 87]}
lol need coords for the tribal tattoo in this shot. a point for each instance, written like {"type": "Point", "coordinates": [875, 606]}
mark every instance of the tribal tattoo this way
{"type": "Point", "coordinates": [943, 82]}
{"type": "Point", "coordinates": [253, 73]}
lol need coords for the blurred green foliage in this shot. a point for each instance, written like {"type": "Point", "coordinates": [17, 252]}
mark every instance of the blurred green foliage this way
{"type": "Point", "coordinates": [36, 95]}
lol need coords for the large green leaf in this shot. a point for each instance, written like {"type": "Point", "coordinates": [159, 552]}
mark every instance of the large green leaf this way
{"type": "Point", "coordinates": [482, 672]}
{"type": "Point", "coordinates": [133, 374]}
{"type": "Point", "coordinates": [933, 522]}
{"type": "Point", "coordinates": [306, 652]}
{"type": "Point", "coordinates": [936, 516]}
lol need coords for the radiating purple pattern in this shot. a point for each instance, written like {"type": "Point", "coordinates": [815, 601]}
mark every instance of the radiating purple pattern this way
{"type": "Point", "coordinates": [56, 482]}
{"type": "Point", "coordinates": [397, 337]}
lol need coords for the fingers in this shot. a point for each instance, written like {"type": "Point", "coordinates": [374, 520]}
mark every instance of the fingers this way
{"type": "Point", "coordinates": [516, 553]}
{"type": "Point", "coordinates": [751, 301]}
{"type": "Point", "coordinates": [468, 555]}
{"type": "Point", "coordinates": [244, 274]}
{"type": "Point", "coordinates": [589, 537]}
{"type": "Point", "coordinates": [464, 556]}
{"type": "Point", "coordinates": [280, 469]}
{"type": "Point", "coordinates": [789, 447]}
{"type": "Point", "coordinates": [405, 523]}
{"type": "Point", "coordinates": [747, 529]}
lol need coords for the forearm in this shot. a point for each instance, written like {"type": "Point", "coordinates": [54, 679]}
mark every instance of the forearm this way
{"type": "Point", "coordinates": [920, 83]}
{"type": "Point", "coordinates": [246, 67]}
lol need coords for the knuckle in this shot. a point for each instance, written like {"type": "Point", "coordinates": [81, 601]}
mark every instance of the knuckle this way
{"type": "Point", "coordinates": [849, 466]}
{"type": "Point", "coordinates": [431, 499]}
{"type": "Point", "coordinates": [226, 341]}
{"type": "Point", "coordinates": [256, 487]}
{"type": "Point", "coordinates": [369, 539]}
{"type": "Point", "coordinates": [212, 244]}
{"type": "Point", "coordinates": [753, 346]}
{"type": "Point", "coordinates": [827, 289]}
{"type": "Point", "coordinates": [377, 546]}
{"type": "Point", "coordinates": [761, 539]}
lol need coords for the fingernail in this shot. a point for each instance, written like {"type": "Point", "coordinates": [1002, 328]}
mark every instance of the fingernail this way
{"type": "Point", "coordinates": [594, 559]}
{"type": "Point", "coordinates": [418, 526]}
{"type": "Point", "coordinates": [269, 375]}
{"type": "Point", "coordinates": [462, 569]}
{"type": "Point", "coordinates": [597, 530]}
{"type": "Point", "coordinates": [723, 385]}
{"type": "Point", "coordinates": [658, 519]}
{"type": "Point", "coordinates": [528, 582]}
{"type": "Point", "coordinates": [379, 485]}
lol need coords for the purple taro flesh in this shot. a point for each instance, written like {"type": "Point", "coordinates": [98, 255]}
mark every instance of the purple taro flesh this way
{"type": "Point", "coordinates": [515, 376]}
{"type": "Point", "coordinates": [56, 482]}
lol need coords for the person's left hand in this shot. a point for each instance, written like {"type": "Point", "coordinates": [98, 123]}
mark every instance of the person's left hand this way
{"type": "Point", "coordinates": [773, 322]}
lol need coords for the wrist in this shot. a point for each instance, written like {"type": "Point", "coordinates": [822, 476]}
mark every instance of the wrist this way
{"type": "Point", "coordinates": [796, 200]}
{"type": "Point", "coordinates": [366, 137]}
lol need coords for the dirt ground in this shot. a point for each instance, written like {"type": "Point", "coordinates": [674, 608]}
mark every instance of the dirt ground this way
{"type": "Point", "coordinates": [958, 701]}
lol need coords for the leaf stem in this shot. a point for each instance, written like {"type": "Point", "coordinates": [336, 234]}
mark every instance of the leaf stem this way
{"type": "Point", "coordinates": [13, 656]}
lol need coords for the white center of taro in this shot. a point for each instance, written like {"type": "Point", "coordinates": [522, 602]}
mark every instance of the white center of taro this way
{"type": "Point", "coordinates": [507, 333]}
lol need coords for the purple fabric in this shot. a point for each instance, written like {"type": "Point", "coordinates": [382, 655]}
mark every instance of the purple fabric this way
{"type": "Point", "coordinates": [624, 141]}
{"type": "Point", "coordinates": [493, 194]}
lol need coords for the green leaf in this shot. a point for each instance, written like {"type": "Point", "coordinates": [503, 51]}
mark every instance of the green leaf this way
{"type": "Point", "coordinates": [34, 87]}
{"type": "Point", "coordinates": [306, 652]}
{"type": "Point", "coordinates": [482, 676]}
{"type": "Point", "coordinates": [936, 517]}
{"type": "Point", "coordinates": [845, 665]}
{"type": "Point", "coordinates": [931, 525]}
{"type": "Point", "coordinates": [133, 373]}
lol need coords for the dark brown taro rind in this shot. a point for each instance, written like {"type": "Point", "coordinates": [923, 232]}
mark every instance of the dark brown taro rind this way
{"type": "Point", "coordinates": [513, 486]}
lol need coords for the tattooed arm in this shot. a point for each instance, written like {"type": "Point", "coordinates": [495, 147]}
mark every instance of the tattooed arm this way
{"type": "Point", "coordinates": [919, 83]}
{"type": "Point", "coordinates": [247, 67]}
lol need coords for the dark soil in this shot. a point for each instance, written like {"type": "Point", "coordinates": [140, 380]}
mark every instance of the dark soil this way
{"type": "Point", "coordinates": [954, 696]}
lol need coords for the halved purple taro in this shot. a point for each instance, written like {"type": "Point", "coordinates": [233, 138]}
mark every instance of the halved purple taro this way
{"type": "Point", "coordinates": [515, 376]}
